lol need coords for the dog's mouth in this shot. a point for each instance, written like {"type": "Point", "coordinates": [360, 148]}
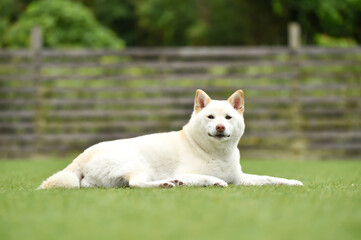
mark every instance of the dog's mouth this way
{"type": "Point", "coordinates": [219, 135]}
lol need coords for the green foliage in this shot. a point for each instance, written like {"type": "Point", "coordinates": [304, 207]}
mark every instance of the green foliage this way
{"type": "Point", "coordinates": [205, 22]}
{"type": "Point", "coordinates": [165, 22]}
{"type": "Point", "coordinates": [191, 22]}
{"type": "Point", "coordinates": [229, 22]}
{"type": "Point", "coordinates": [64, 23]}
{"type": "Point", "coordinates": [4, 25]}
{"type": "Point", "coordinates": [120, 16]}
{"type": "Point", "coordinates": [327, 207]}
{"type": "Point", "coordinates": [340, 19]}
{"type": "Point", "coordinates": [5, 13]}
{"type": "Point", "coordinates": [327, 41]}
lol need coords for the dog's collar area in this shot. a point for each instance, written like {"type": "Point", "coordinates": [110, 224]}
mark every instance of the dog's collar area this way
{"type": "Point", "coordinates": [219, 135]}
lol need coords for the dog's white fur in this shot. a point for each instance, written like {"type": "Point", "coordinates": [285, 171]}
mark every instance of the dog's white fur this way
{"type": "Point", "coordinates": [197, 155]}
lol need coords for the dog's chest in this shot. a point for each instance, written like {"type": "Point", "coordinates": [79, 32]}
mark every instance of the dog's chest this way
{"type": "Point", "coordinates": [221, 169]}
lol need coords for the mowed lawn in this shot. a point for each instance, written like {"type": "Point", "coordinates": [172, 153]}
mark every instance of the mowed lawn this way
{"type": "Point", "coordinates": [327, 207]}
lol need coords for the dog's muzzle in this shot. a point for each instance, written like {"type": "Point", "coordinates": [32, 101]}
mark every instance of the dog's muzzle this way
{"type": "Point", "coordinates": [219, 135]}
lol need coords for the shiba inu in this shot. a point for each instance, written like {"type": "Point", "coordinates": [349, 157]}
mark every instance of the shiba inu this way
{"type": "Point", "coordinates": [203, 153]}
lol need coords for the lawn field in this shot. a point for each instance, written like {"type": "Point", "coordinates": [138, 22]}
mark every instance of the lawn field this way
{"type": "Point", "coordinates": [328, 206]}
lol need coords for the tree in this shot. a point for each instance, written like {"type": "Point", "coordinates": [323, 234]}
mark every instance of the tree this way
{"type": "Point", "coordinates": [64, 23]}
{"type": "Point", "coordinates": [338, 19]}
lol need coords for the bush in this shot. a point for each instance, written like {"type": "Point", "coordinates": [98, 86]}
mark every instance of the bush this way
{"type": "Point", "coordinates": [64, 23]}
{"type": "Point", "coordinates": [337, 19]}
{"type": "Point", "coordinates": [328, 41]}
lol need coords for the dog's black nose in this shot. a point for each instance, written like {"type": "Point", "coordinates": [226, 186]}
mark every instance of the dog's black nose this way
{"type": "Point", "coordinates": [220, 128]}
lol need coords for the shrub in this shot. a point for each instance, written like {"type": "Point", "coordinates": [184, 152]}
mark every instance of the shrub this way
{"type": "Point", "coordinates": [65, 24]}
{"type": "Point", "coordinates": [328, 41]}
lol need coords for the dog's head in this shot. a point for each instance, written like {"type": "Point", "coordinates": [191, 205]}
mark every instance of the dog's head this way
{"type": "Point", "coordinates": [217, 120]}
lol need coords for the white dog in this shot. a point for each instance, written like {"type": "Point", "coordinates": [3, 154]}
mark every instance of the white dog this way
{"type": "Point", "coordinates": [203, 153]}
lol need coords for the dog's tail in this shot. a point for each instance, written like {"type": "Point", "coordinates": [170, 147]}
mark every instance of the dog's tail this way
{"type": "Point", "coordinates": [68, 178]}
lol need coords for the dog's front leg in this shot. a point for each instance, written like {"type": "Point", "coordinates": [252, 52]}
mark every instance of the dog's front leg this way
{"type": "Point", "coordinates": [256, 180]}
{"type": "Point", "coordinates": [200, 180]}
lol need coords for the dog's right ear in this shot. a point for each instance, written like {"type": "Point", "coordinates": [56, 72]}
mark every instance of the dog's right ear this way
{"type": "Point", "coordinates": [201, 100]}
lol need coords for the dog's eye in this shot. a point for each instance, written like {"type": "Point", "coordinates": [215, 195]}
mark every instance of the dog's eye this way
{"type": "Point", "coordinates": [211, 117]}
{"type": "Point", "coordinates": [228, 117]}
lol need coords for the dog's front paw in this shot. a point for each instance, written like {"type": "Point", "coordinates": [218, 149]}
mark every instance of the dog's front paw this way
{"type": "Point", "coordinates": [177, 182]}
{"type": "Point", "coordinates": [293, 182]}
{"type": "Point", "coordinates": [167, 185]}
{"type": "Point", "coordinates": [280, 181]}
{"type": "Point", "coordinates": [220, 183]}
{"type": "Point", "coordinates": [290, 182]}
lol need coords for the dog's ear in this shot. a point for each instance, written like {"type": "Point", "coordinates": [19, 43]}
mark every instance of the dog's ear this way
{"type": "Point", "coordinates": [201, 100]}
{"type": "Point", "coordinates": [237, 101]}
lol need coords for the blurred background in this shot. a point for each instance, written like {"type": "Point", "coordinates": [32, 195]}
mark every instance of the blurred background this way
{"type": "Point", "coordinates": [76, 72]}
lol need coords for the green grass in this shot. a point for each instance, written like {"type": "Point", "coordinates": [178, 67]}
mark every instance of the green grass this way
{"type": "Point", "coordinates": [327, 207]}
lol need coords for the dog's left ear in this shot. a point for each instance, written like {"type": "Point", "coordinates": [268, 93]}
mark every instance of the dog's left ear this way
{"type": "Point", "coordinates": [201, 100]}
{"type": "Point", "coordinates": [237, 101]}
